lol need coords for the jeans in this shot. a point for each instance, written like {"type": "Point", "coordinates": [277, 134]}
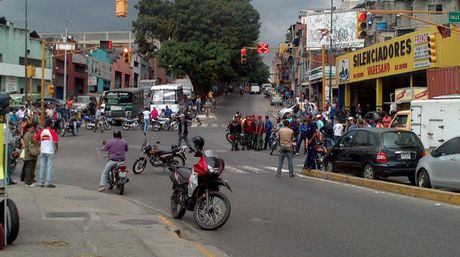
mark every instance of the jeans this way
{"type": "Point", "coordinates": [75, 127]}
{"type": "Point", "coordinates": [47, 166]}
{"type": "Point", "coordinates": [301, 139]}
{"type": "Point", "coordinates": [185, 138]}
{"type": "Point", "coordinates": [146, 125]}
{"type": "Point", "coordinates": [288, 155]}
{"type": "Point", "coordinates": [268, 140]}
{"type": "Point", "coordinates": [236, 139]}
{"type": "Point", "coordinates": [105, 173]}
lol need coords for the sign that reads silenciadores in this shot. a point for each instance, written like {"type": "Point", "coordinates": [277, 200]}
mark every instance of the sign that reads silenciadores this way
{"type": "Point", "coordinates": [454, 17]}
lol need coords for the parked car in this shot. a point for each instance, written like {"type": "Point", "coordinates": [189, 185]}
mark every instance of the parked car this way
{"type": "Point", "coordinates": [376, 152]}
{"type": "Point", "coordinates": [255, 89]}
{"type": "Point", "coordinates": [283, 112]}
{"type": "Point", "coordinates": [276, 100]}
{"type": "Point", "coordinates": [441, 168]}
{"type": "Point", "coordinates": [266, 85]}
{"type": "Point", "coordinates": [81, 104]}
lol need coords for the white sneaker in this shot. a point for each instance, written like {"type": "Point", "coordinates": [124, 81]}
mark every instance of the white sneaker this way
{"type": "Point", "coordinates": [33, 185]}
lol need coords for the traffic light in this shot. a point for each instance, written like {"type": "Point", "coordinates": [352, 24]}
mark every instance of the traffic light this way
{"type": "Point", "coordinates": [121, 8]}
{"type": "Point", "coordinates": [243, 56]}
{"type": "Point", "coordinates": [361, 26]}
{"type": "Point", "coordinates": [105, 44]}
{"type": "Point", "coordinates": [127, 55]}
{"type": "Point", "coordinates": [30, 71]}
{"type": "Point", "coordinates": [432, 48]}
{"type": "Point", "coordinates": [50, 89]}
{"type": "Point", "coordinates": [263, 48]}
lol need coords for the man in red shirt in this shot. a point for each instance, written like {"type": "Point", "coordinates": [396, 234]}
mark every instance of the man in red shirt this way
{"type": "Point", "coordinates": [48, 139]}
{"type": "Point", "coordinates": [386, 120]}
{"type": "Point", "coordinates": [248, 129]}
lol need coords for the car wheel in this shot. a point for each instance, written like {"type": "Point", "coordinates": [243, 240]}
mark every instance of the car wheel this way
{"type": "Point", "coordinates": [423, 179]}
{"type": "Point", "coordinates": [369, 172]}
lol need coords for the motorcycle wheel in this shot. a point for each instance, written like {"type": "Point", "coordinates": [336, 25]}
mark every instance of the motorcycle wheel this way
{"type": "Point", "coordinates": [272, 148]}
{"type": "Point", "coordinates": [89, 126]}
{"type": "Point", "coordinates": [139, 165]}
{"type": "Point", "coordinates": [155, 127]}
{"type": "Point", "coordinates": [166, 126]}
{"type": "Point", "coordinates": [177, 160]}
{"type": "Point", "coordinates": [12, 219]}
{"type": "Point", "coordinates": [218, 213]}
{"type": "Point", "coordinates": [107, 126]}
{"type": "Point", "coordinates": [175, 126]}
{"type": "Point", "coordinates": [177, 211]}
{"type": "Point", "coordinates": [125, 126]}
{"type": "Point", "coordinates": [120, 189]}
{"type": "Point", "coordinates": [228, 137]}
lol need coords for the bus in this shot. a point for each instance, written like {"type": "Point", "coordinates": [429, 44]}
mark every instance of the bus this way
{"type": "Point", "coordinates": [123, 102]}
{"type": "Point", "coordinates": [170, 95]}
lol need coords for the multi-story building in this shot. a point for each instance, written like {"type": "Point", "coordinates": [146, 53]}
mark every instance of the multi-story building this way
{"type": "Point", "coordinates": [12, 52]}
{"type": "Point", "coordinates": [77, 73]}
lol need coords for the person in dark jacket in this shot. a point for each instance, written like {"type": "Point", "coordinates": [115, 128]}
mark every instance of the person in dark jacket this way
{"type": "Point", "coordinates": [183, 131]}
{"type": "Point", "coordinates": [268, 132]}
{"type": "Point", "coordinates": [295, 126]}
{"type": "Point", "coordinates": [311, 140]}
{"type": "Point", "coordinates": [235, 131]}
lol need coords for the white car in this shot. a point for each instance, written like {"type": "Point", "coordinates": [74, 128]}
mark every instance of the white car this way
{"type": "Point", "coordinates": [441, 168]}
{"type": "Point", "coordinates": [283, 112]}
{"type": "Point", "coordinates": [255, 90]}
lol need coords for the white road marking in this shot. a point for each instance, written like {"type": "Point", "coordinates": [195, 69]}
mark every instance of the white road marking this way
{"type": "Point", "coordinates": [276, 169]}
{"type": "Point", "coordinates": [253, 169]}
{"type": "Point", "coordinates": [204, 125]}
{"type": "Point", "coordinates": [235, 170]}
{"type": "Point", "coordinates": [214, 125]}
{"type": "Point", "coordinates": [194, 125]}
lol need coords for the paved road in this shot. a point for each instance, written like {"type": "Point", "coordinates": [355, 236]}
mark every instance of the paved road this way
{"type": "Point", "coordinates": [279, 216]}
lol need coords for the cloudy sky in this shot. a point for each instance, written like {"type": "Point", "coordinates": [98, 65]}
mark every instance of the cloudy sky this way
{"type": "Point", "coordinates": [98, 15]}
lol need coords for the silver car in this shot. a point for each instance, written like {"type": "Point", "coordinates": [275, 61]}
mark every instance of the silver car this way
{"type": "Point", "coordinates": [441, 168]}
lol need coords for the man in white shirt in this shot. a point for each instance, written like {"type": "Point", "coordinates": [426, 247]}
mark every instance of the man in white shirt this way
{"type": "Point", "coordinates": [48, 139]}
{"type": "Point", "coordinates": [338, 130]}
{"type": "Point", "coordinates": [21, 113]}
{"type": "Point", "coordinates": [146, 114]}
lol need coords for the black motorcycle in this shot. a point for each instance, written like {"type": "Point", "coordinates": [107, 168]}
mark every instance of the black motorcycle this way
{"type": "Point", "coordinates": [197, 190]}
{"type": "Point", "coordinates": [159, 157]}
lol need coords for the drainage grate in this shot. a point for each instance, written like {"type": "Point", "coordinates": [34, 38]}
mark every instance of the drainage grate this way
{"type": "Point", "coordinates": [138, 222]}
{"type": "Point", "coordinates": [66, 214]}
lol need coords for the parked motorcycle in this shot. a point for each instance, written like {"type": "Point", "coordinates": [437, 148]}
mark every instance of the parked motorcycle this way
{"type": "Point", "coordinates": [160, 123]}
{"type": "Point", "coordinates": [321, 152]}
{"type": "Point", "coordinates": [89, 122]}
{"type": "Point", "coordinates": [130, 123]}
{"type": "Point", "coordinates": [274, 141]}
{"type": "Point", "coordinates": [118, 177]}
{"type": "Point", "coordinates": [197, 190]}
{"type": "Point", "coordinates": [159, 157]}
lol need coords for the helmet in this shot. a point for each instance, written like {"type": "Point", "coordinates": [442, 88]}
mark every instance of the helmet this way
{"type": "Point", "coordinates": [198, 143]}
{"type": "Point", "coordinates": [117, 134]}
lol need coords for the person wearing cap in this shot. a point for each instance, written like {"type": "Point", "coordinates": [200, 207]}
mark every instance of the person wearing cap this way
{"type": "Point", "coordinates": [338, 130]}
{"type": "Point", "coordinates": [183, 131]}
{"type": "Point", "coordinates": [259, 133]}
{"type": "Point", "coordinates": [235, 131]}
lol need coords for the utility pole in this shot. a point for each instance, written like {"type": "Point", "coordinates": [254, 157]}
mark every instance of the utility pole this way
{"type": "Point", "coordinates": [25, 54]}
{"type": "Point", "coordinates": [42, 86]}
{"type": "Point", "coordinates": [330, 54]}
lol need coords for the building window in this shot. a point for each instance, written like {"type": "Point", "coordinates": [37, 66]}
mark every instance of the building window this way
{"type": "Point", "coordinates": [1, 57]}
{"type": "Point", "coordinates": [79, 68]}
{"type": "Point", "coordinates": [30, 61]}
{"type": "Point", "coordinates": [435, 7]}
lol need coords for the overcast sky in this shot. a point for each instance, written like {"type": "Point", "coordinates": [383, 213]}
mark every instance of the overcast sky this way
{"type": "Point", "coordinates": [99, 15]}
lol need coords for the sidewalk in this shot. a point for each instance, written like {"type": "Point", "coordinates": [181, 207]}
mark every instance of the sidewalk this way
{"type": "Point", "coordinates": [74, 222]}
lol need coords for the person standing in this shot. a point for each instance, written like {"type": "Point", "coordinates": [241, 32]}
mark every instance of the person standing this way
{"type": "Point", "coordinates": [48, 139]}
{"type": "Point", "coordinates": [98, 120]}
{"type": "Point", "coordinates": [303, 134]}
{"type": "Point", "coordinates": [146, 114]}
{"type": "Point", "coordinates": [235, 131]}
{"type": "Point", "coordinates": [198, 104]}
{"type": "Point", "coordinates": [248, 128]}
{"type": "Point", "coordinates": [31, 154]}
{"type": "Point", "coordinates": [286, 135]}
{"type": "Point", "coordinates": [268, 132]}
{"type": "Point", "coordinates": [311, 140]}
{"type": "Point", "coordinates": [183, 131]}
{"type": "Point", "coordinates": [328, 132]}
{"type": "Point", "coordinates": [259, 132]}
{"type": "Point", "coordinates": [338, 130]}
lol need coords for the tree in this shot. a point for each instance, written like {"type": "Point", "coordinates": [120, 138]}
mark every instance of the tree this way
{"type": "Point", "coordinates": [201, 39]}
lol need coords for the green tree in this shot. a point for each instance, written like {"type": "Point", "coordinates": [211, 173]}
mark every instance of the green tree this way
{"type": "Point", "coordinates": [200, 38]}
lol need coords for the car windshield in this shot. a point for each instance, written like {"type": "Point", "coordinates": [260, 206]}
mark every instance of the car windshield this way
{"type": "Point", "coordinates": [115, 98]}
{"type": "Point", "coordinates": [164, 96]}
{"type": "Point", "coordinates": [400, 121]}
{"type": "Point", "coordinates": [397, 139]}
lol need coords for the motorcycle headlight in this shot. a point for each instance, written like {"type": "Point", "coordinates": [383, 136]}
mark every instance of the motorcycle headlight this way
{"type": "Point", "coordinates": [213, 170]}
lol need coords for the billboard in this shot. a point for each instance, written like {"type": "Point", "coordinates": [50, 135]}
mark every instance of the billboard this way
{"type": "Point", "coordinates": [343, 32]}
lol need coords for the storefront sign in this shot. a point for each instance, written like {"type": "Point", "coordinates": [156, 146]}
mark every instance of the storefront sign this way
{"type": "Point", "coordinates": [407, 94]}
{"type": "Point", "coordinates": [100, 69]}
{"type": "Point", "coordinates": [11, 84]}
{"type": "Point", "coordinates": [404, 54]}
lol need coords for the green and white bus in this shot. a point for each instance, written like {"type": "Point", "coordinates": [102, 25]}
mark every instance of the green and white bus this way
{"type": "Point", "coordinates": [123, 103]}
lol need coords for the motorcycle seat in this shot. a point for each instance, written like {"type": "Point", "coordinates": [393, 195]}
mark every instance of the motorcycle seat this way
{"type": "Point", "coordinates": [184, 172]}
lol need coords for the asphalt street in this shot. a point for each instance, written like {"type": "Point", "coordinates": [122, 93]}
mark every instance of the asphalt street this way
{"type": "Point", "coordinates": [276, 216]}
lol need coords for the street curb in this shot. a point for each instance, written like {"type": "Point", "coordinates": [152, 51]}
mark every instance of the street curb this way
{"type": "Point", "coordinates": [423, 193]}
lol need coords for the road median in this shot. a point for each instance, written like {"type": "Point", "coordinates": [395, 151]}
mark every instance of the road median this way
{"type": "Point", "coordinates": [424, 193]}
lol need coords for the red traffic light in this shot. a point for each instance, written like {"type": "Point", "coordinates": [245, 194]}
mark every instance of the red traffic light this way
{"type": "Point", "coordinates": [243, 51]}
{"type": "Point", "coordinates": [125, 50]}
{"type": "Point", "coordinates": [263, 48]}
{"type": "Point", "coordinates": [362, 16]}
{"type": "Point", "coordinates": [105, 44]}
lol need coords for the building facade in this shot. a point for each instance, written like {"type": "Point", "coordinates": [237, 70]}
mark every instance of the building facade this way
{"type": "Point", "coordinates": [12, 71]}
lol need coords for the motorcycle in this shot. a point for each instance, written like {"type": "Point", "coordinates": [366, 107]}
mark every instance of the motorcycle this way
{"type": "Point", "coordinates": [68, 127]}
{"type": "Point", "coordinates": [130, 123]}
{"type": "Point", "coordinates": [321, 152]}
{"type": "Point", "coordinates": [273, 142]}
{"type": "Point", "coordinates": [89, 122]}
{"type": "Point", "coordinates": [197, 190]}
{"type": "Point", "coordinates": [160, 123]}
{"type": "Point", "coordinates": [159, 157]}
{"type": "Point", "coordinates": [118, 177]}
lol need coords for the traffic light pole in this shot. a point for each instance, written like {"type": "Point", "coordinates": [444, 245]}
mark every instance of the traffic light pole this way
{"type": "Point", "coordinates": [42, 87]}
{"type": "Point", "coordinates": [65, 65]}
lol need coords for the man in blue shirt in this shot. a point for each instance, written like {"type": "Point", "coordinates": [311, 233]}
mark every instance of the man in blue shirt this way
{"type": "Point", "coordinates": [168, 112]}
{"type": "Point", "coordinates": [303, 135]}
{"type": "Point", "coordinates": [268, 132]}
{"type": "Point", "coordinates": [311, 139]}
